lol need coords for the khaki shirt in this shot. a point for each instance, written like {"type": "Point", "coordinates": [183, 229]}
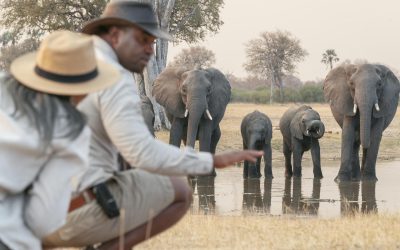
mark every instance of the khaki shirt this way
{"type": "Point", "coordinates": [115, 118]}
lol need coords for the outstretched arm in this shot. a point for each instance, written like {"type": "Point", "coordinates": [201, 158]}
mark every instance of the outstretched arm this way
{"type": "Point", "coordinates": [226, 159]}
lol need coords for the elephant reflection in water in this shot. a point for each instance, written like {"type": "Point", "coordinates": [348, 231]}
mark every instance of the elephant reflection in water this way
{"type": "Point", "coordinates": [205, 193]}
{"type": "Point", "coordinates": [349, 197]}
{"type": "Point", "coordinates": [253, 202]}
{"type": "Point", "coordinates": [296, 203]}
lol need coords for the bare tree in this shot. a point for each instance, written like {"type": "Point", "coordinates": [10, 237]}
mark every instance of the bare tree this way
{"type": "Point", "coordinates": [274, 55]}
{"type": "Point", "coordinates": [194, 57]}
{"type": "Point", "coordinates": [329, 57]}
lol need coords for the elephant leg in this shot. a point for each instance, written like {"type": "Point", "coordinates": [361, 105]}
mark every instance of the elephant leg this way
{"type": "Point", "coordinates": [268, 161]}
{"type": "Point", "coordinates": [348, 138]}
{"type": "Point", "coordinates": [175, 134]}
{"type": "Point", "coordinates": [288, 157]}
{"type": "Point", "coordinates": [355, 162]}
{"type": "Point", "coordinates": [316, 158]}
{"type": "Point", "coordinates": [364, 156]}
{"type": "Point", "coordinates": [216, 135]}
{"type": "Point", "coordinates": [369, 172]}
{"type": "Point", "coordinates": [205, 134]}
{"type": "Point", "coordinates": [297, 155]}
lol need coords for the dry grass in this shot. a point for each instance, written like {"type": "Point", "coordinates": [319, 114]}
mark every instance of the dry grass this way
{"type": "Point", "coordinates": [330, 143]}
{"type": "Point", "coordinates": [263, 232]}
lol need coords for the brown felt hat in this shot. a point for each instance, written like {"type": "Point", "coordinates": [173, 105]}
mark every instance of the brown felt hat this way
{"type": "Point", "coordinates": [129, 13]}
{"type": "Point", "coordinates": [65, 64]}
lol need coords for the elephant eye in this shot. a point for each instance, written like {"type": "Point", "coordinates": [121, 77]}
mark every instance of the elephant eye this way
{"type": "Point", "coordinates": [184, 89]}
{"type": "Point", "coordinates": [379, 83]}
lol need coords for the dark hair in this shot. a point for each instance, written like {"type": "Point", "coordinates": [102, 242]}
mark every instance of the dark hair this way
{"type": "Point", "coordinates": [43, 110]}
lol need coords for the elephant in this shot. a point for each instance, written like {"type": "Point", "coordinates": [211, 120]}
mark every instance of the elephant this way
{"type": "Point", "coordinates": [195, 102]}
{"type": "Point", "coordinates": [256, 130]}
{"type": "Point", "coordinates": [148, 113]}
{"type": "Point", "coordinates": [363, 100]}
{"type": "Point", "coordinates": [301, 129]}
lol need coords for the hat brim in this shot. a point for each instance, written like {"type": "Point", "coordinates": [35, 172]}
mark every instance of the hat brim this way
{"type": "Point", "coordinates": [91, 27]}
{"type": "Point", "coordinates": [23, 69]}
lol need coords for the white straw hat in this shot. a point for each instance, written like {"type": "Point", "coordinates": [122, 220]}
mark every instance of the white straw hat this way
{"type": "Point", "coordinates": [65, 64]}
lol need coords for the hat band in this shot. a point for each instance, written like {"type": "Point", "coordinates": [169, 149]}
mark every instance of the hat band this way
{"type": "Point", "coordinates": [66, 78]}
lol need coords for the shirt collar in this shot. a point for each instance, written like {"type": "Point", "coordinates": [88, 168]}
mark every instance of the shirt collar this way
{"type": "Point", "coordinates": [105, 48]}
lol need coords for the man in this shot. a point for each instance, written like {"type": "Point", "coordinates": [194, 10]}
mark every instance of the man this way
{"type": "Point", "coordinates": [124, 36]}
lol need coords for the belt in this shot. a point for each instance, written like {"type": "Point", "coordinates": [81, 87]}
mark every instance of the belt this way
{"type": "Point", "coordinates": [82, 199]}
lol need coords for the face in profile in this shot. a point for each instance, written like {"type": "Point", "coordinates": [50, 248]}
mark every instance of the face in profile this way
{"type": "Point", "coordinates": [134, 48]}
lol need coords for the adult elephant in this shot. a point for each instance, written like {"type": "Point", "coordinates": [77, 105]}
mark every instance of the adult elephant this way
{"type": "Point", "coordinates": [363, 99]}
{"type": "Point", "coordinates": [195, 101]}
{"type": "Point", "coordinates": [301, 128]}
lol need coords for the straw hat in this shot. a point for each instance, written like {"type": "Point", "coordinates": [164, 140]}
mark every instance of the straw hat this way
{"type": "Point", "coordinates": [128, 13]}
{"type": "Point", "coordinates": [65, 64]}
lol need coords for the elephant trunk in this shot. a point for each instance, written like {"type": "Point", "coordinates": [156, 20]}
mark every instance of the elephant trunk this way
{"type": "Point", "coordinates": [254, 142]}
{"type": "Point", "coordinates": [196, 111]}
{"type": "Point", "coordinates": [317, 129]}
{"type": "Point", "coordinates": [365, 126]}
{"type": "Point", "coordinates": [365, 107]}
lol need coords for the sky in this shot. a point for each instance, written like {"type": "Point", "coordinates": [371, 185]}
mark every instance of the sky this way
{"type": "Point", "coordinates": [355, 29]}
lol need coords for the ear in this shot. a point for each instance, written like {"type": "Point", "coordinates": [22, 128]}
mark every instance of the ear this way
{"type": "Point", "coordinates": [337, 89]}
{"type": "Point", "coordinates": [295, 128]}
{"type": "Point", "coordinates": [389, 97]}
{"type": "Point", "coordinates": [220, 92]}
{"type": "Point", "coordinates": [166, 91]}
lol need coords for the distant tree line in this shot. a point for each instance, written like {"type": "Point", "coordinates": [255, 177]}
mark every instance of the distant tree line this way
{"type": "Point", "coordinates": [308, 92]}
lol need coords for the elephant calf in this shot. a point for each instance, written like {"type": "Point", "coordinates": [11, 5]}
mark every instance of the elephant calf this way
{"type": "Point", "coordinates": [256, 129]}
{"type": "Point", "coordinates": [301, 128]}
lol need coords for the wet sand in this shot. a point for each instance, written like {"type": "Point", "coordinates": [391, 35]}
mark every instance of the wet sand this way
{"type": "Point", "coordinates": [230, 194]}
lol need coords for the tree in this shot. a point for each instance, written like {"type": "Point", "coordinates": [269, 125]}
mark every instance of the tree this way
{"type": "Point", "coordinates": [187, 20]}
{"type": "Point", "coordinates": [274, 55]}
{"type": "Point", "coordinates": [194, 57]}
{"type": "Point", "coordinates": [329, 57]}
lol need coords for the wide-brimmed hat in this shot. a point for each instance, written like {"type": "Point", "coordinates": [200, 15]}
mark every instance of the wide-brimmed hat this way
{"type": "Point", "coordinates": [128, 13]}
{"type": "Point", "coordinates": [65, 64]}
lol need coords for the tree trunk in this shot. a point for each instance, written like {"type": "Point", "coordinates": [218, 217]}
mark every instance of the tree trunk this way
{"type": "Point", "coordinates": [163, 10]}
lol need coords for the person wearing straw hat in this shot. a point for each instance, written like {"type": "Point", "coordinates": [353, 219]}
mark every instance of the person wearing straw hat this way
{"type": "Point", "coordinates": [148, 200]}
{"type": "Point", "coordinates": [44, 140]}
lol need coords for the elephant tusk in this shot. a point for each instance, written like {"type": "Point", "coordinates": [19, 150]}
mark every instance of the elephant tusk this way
{"type": "Point", "coordinates": [209, 115]}
{"type": "Point", "coordinates": [377, 107]}
{"type": "Point", "coordinates": [355, 108]}
{"type": "Point", "coordinates": [186, 112]}
{"type": "Point", "coordinates": [307, 132]}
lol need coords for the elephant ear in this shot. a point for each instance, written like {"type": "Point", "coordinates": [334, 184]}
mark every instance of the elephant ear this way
{"type": "Point", "coordinates": [166, 91]}
{"type": "Point", "coordinates": [389, 96]}
{"type": "Point", "coordinates": [220, 92]}
{"type": "Point", "coordinates": [337, 89]}
{"type": "Point", "coordinates": [295, 128]}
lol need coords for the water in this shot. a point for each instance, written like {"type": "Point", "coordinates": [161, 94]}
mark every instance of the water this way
{"type": "Point", "coordinates": [230, 194]}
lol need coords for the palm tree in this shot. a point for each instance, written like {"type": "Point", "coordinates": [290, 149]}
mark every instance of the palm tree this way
{"type": "Point", "coordinates": [329, 57]}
